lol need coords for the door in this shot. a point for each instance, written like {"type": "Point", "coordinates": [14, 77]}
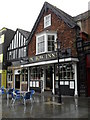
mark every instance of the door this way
{"type": "Point", "coordinates": [49, 78]}
{"type": "Point", "coordinates": [17, 81]}
{"type": "Point", "coordinates": [88, 79]}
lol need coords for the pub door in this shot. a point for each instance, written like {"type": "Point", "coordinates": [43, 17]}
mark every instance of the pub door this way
{"type": "Point", "coordinates": [17, 81]}
{"type": "Point", "coordinates": [49, 78]}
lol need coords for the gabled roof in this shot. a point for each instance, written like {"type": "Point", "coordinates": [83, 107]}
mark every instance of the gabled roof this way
{"type": "Point", "coordinates": [8, 35]}
{"type": "Point", "coordinates": [82, 16]}
{"type": "Point", "coordinates": [62, 15]}
{"type": "Point", "coordinates": [24, 32]}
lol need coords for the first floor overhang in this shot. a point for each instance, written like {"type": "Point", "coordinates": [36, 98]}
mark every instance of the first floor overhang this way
{"type": "Point", "coordinates": [51, 62]}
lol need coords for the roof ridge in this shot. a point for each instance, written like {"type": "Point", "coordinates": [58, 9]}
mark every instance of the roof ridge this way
{"type": "Point", "coordinates": [83, 15]}
{"type": "Point", "coordinates": [59, 9]}
{"type": "Point", "coordinates": [63, 15]}
{"type": "Point", "coordinates": [23, 30]}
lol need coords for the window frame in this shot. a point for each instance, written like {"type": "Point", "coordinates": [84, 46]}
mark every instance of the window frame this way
{"type": "Point", "coordinates": [65, 71]}
{"type": "Point", "coordinates": [45, 34]}
{"type": "Point", "coordinates": [36, 73]}
{"type": "Point", "coordinates": [47, 21]}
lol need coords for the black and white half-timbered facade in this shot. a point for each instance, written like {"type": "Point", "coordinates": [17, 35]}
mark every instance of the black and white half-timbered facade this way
{"type": "Point", "coordinates": [17, 53]}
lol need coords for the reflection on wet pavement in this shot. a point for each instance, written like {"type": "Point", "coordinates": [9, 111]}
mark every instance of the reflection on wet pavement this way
{"type": "Point", "coordinates": [47, 107]}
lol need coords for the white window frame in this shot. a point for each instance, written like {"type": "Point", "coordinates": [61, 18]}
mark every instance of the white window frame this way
{"type": "Point", "coordinates": [42, 41]}
{"type": "Point", "coordinates": [47, 21]}
{"type": "Point", "coordinates": [45, 34]}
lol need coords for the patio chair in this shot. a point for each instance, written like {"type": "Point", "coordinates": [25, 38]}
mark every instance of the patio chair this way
{"type": "Point", "coordinates": [16, 96]}
{"type": "Point", "coordinates": [2, 90]}
{"type": "Point", "coordinates": [9, 92]}
{"type": "Point", "coordinates": [28, 96]}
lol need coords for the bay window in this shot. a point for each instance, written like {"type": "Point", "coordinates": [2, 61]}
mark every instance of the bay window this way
{"type": "Point", "coordinates": [45, 41]}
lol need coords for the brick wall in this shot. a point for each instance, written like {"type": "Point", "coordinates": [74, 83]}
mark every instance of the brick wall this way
{"type": "Point", "coordinates": [86, 25]}
{"type": "Point", "coordinates": [64, 33]}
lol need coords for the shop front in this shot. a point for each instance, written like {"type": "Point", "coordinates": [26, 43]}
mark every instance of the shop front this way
{"type": "Point", "coordinates": [43, 75]}
{"type": "Point", "coordinates": [17, 78]}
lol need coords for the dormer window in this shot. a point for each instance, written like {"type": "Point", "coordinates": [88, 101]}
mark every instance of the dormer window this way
{"type": "Point", "coordinates": [47, 21]}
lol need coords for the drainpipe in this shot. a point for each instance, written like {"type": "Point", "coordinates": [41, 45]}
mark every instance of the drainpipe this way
{"type": "Point", "coordinates": [43, 79]}
{"type": "Point", "coordinates": [28, 78]}
{"type": "Point", "coordinates": [53, 89]}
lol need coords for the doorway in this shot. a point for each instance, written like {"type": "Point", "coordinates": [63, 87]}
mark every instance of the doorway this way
{"type": "Point", "coordinates": [17, 81]}
{"type": "Point", "coordinates": [49, 78]}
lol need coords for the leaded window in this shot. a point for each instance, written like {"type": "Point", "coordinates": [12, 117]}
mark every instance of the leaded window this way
{"type": "Point", "coordinates": [36, 73]}
{"type": "Point", "coordinates": [66, 71]}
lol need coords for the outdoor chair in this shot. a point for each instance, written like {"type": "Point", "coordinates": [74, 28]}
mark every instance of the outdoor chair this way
{"type": "Point", "coordinates": [28, 96]}
{"type": "Point", "coordinates": [17, 91]}
{"type": "Point", "coordinates": [9, 92]}
{"type": "Point", "coordinates": [16, 96]}
{"type": "Point", "coordinates": [2, 90]}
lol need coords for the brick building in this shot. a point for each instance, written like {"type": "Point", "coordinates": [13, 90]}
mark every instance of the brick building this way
{"type": "Point", "coordinates": [83, 49]}
{"type": "Point", "coordinates": [51, 24]}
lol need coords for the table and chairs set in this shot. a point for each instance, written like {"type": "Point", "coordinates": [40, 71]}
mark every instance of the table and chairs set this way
{"type": "Point", "coordinates": [17, 94]}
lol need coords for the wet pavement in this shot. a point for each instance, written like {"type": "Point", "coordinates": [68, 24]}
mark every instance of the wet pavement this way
{"type": "Point", "coordinates": [46, 106]}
